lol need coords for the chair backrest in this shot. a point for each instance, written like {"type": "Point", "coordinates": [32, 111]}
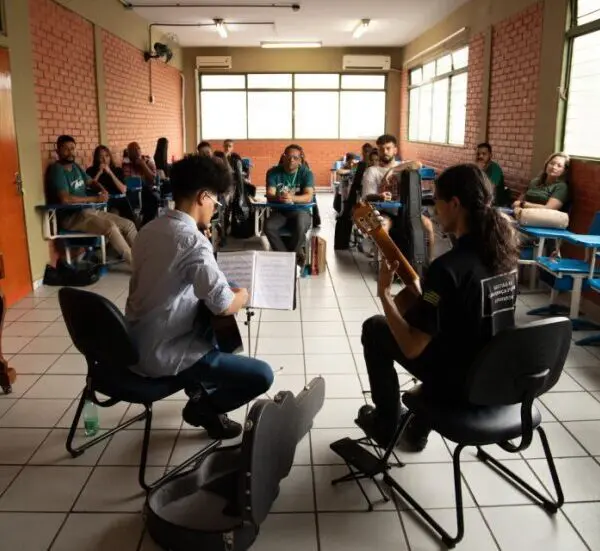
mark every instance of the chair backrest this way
{"type": "Point", "coordinates": [97, 328]}
{"type": "Point", "coordinates": [595, 225]}
{"type": "Point", "coordinates": [522, 361]}
{"type": "Point", "coordinates": [134, 183]}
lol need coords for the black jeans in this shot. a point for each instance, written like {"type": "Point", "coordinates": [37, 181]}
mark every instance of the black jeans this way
{"type": "Point", "coordinates": [381, 350]}
{"type": "Point", "coordinates": [298, 222]}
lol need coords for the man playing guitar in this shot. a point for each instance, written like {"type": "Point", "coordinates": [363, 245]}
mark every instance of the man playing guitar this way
{"type": "Point", "coordinates": [174, 272]}
{"type": "Point", "coordinates": [469, 294]}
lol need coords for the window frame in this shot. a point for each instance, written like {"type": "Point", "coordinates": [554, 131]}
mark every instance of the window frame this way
{"type": "Point", "coordinates": [293, 91]}
{"type": "Point", "coordinates": [573, 32]}
{"type": "Point", "coordinates": [424, 82]}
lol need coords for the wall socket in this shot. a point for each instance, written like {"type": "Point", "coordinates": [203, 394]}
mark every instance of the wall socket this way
{"type": "Point", "coordinates": [151, 99]}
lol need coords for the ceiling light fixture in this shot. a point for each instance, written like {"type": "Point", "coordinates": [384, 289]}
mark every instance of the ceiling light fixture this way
{"type": "Point", "coordinates": [221, 28]}
{"type": "Point", "coordinates": [291, 44]}
{"type": "Point", "coordinates": [361, 28]}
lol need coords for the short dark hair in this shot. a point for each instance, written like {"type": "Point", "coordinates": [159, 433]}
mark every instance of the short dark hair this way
{"type": "Point", "coordinates": [485, 145]}
{"type": "Point", "coordinates": [366, 145]}
{"type": "Point", "coordinates": [204, 144]}
{"type": "Point", "coordinates": [193, 174]}
{"type": "Point", "coordinates": [228, 140]}
{"type": "Point", "coordinates": [293, 146]}
{"type": "Point", "coordinates": [65, 138]}
{"type": "Point", "coordinates": [387, 138]}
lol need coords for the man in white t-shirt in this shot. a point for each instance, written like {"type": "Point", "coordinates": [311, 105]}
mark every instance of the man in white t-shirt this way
{"type": "Point", "coordinates": [375, 189]}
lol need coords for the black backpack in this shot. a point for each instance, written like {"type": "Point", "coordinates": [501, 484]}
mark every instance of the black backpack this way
{"type": "Point", "coordinates": [64, 274]}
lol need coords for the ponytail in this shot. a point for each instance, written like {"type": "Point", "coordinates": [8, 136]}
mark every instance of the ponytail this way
{"type": "Point", "coordinates": [495, 238]}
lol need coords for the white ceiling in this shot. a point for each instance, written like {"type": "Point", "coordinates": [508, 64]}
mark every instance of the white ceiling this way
{"type": "Point", "coordinates": [393, 22]}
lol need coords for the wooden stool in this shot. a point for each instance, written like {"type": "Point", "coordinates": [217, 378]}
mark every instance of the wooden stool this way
{"type": "Point", "coordinates": [7, 374]}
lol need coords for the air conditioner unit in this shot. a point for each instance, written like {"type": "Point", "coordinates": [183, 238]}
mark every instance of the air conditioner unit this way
{"type": "Point", "coordinates": [213, 62]}
{"type": "Point", "coordinates": [367, 63]}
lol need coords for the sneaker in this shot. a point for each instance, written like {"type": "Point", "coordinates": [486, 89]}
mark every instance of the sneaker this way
{"type": "Point", "coordinates": [218, 427]}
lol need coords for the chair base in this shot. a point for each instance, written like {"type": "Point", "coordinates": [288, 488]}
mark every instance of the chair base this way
{"type": "Point", "coordinates": [146, 416]}
{"type": "Point", "coordinates": [362, 467]}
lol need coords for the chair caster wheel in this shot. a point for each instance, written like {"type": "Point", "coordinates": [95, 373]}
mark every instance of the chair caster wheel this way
{"type": "Point", "coordinates": [550, 508]}
{"type": "Point", "coordinates": [370, 508]}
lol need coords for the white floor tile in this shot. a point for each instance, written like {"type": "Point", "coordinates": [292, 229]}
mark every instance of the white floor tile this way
{"type": "Point", "coordinates": [125, 448]}
{"type": "Point", "coordinates": [278, 345]}
{"type": "Point", "coordinates": [302, 455]}
{"type": "Point", "coordinates": [359, 314]}
{"type": "Point", "coordinates": [311, 302]}
{"type": "Point", "coordinates": [588, 434]}
{"type": "Point", "coordinates": [357, 532]}
{"type": "Point", "coordinates": [13, 345]}
{"type": "Point", "coordinates": [323, 329]}
{"type": "Point", "coordinates": [166, 414]}
{"type": "Point", "coordinates": [580, 357]}
{"type": "Point", "coordinates": [17, 533]}
{"type": "Point", "coordinates": [32, 363]}
{"type": "Point", "coordinates": [298, 532]}
{"type": "Point", "coordinates": [322, 314]}
{"type": "Point", "coordinates": [287, 364]}
{"type": "Point", "coordinates": [108, 417]}
{"type": "Point", "coordinates": [280, 315]}
{"type": "Point", "coordinates": [54, 453]}
{"type": "Point", "coordinates": [22, 384]}
{"type": "Point", "coordinates": [338, 414]}
{"type": "Point", "coordinates": [45, 489]}
{"type": "Point", "coordinates": [584, 517]}
{"type": "Point", "coordinates": [530, 528]}
{"type": "Point", "coordinates": [579, 476]}
{"type": "Point", "coordinates": [587, 377]}
{"type": "Point", "coordinates": [296, 493]}
{"type": "Point", "coordinates": [271, 329]}
{"type": "Point", "coordinates": [47, 345]}
{"type": "Point", "coordinates": [57, 386]}
{"type": "Point", "coordinates": [345, 385]}
{"type": "Point", "coordinates": [318, 364]}
{"type": "Point", "coordinates": [327, 345]}
{"type": "Point", "coordinates": [35, 413]}
{"type": "Point", "coordinates": [24, 329]}
{"type": "Point", "coordinates": [6, 404]}
{"type": "Point", "coordinates": [18, 445]}
{"type": "Point", "coordinates": [69, 364]}
{"type": "Point", "coordinates": [56, 329]}
{"type": "Point", "coordinates": [293, 383]}
{"type": "Point", "coordinates": [14, 315]}
{"type": "Point", "coordinates": [98, 532]}
{"type": "Point", "coordinates": [562, 444]}
{"type": "Point", "coordinates": [321, 440]}
{"type": "Point", "coordinates": [566, 383]}
{"type": "Point", "coordinates": [572, 406]}
{"type": "Point", "coordinates": [41, 315]}
{"type": "Point", "coordinates": [187, 444]}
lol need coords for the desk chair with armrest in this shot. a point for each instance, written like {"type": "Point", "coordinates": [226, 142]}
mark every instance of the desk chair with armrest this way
{"type": "Point", "coordinates": [518, 365]}
{"type": "Point", "coordinates": [99, 331]}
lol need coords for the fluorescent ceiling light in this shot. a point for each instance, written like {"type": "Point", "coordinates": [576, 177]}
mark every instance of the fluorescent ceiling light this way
{"type": "Point", "coordinates": [361, 28]}
{"type": "Point", "coordinates": [291, 44]}
{"type": "Point", "coordinates": [221, 29]}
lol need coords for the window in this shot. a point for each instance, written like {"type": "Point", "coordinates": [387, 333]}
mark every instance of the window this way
{"type": "Point", "coordinates": [437, 99]}
{"type": "Point", "coordinates": [289, 106]}
{"type": "Point", "coordinates": [582, 114]}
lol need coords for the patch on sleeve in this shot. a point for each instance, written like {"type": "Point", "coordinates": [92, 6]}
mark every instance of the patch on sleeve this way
{"type": "Point", "coordinates": [431, 297]}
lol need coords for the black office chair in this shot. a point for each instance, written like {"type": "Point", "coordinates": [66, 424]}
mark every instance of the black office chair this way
{"type": "Point", "coordinates": [516, 367]}
{"type": "Point", "coordinates": [99, 331]}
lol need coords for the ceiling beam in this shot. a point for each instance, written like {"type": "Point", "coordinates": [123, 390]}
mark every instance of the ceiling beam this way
{"type": "Point", "coordinates": [132, 5]}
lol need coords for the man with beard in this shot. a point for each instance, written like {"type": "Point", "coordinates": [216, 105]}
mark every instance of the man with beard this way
{"type": "Point", "coordinates": [67, 184]}
{"type": "Point", "coordinates": [373, 189]}
{"type": "Point", "coordinates": [502, 197]}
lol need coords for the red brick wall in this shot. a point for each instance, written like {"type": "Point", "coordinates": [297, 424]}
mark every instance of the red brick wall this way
{"type": "Point", "coordinates": [442, 156]}
{"type": "Point", "coordinates": [65, 83]}
{"type": "Point", "coordinates": [320, 155]}
{"type": "Point", "coordinates": [516, 49]}
{"type": "Point", "coordinates": [130, 115]}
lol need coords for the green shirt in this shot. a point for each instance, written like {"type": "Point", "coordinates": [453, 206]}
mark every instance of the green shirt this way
{"type": "Point", "coordinates": [540, 195]}
{"type": "Point", "coordinates": [296, 182]}
{"type": "Point", "coordinates": [501, 192]}
{"type": "Point", "coordinates": [73, 181]}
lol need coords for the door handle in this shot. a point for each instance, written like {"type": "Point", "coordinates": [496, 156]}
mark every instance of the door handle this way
{"type": "Point", "coordinates": [19, 183]}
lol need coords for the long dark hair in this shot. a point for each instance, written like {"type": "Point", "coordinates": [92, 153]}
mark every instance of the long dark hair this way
{"type": "Point", "coordinates": [96, 158]}
{"type": "Point", "coordinates": [161, 158]}
{"type": "Point", "coordinates": [495, 238]}
{"type": "Point", "coordinates": [566, 177]}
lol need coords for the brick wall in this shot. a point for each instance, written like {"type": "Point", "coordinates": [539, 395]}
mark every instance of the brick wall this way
{"type": "Point", "coordinates": [130, 115]}
{"type": "Point", "coordinates": [320, 155]}
{"type": "Point", "coordinates": [516, 49]}
{"type": "Point", "coordinates": [65, 83]}
{"type": "Point", "coordinates": [442, 156]}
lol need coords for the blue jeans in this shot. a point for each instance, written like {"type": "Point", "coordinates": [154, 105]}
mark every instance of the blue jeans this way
{"type": "Point", "coordinates": [231, 380]}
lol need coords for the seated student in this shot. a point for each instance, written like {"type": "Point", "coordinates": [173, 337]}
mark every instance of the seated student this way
{"type": "Point", "coordinates": [110, 177]}
{"type": "Point", "coordinates": [290, 182]}
{"type": "Point", "coordinates": [143, 167]}
{"type": "Point", "coordinates": [375, 181]}
{"type": "Point", "coordinates": [205, 149]}
{"type": "Point", "coordinates": [67, 185]}
{"type": "Point", "coordinates": [174, 270]}
{"type": "Point", "coordinates": [161, 158]}
{"type": "Point", "coordinates": [502, 196]}
{"type": "Point", "coordinates": [437, 335]}
{"type": "Point", "coordinates": [550, 190]}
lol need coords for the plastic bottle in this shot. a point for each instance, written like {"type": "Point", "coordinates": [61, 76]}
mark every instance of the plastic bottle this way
{"type": "Point", "coordinates": [91, 422]}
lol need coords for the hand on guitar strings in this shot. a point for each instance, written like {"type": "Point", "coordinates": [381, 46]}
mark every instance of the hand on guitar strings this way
{"type": "Point", "coordinates": [387, 273]}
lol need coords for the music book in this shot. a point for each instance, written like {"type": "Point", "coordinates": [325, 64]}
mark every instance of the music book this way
{"type": "Point", "coordinates": [269, 276]}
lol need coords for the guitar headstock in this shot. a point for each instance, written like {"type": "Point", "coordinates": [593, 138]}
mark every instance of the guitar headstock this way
{"type": "Point", "coordinates": [366, 218]}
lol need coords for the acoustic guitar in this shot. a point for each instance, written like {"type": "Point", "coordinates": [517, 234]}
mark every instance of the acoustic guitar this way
{"type": "Point", "coordinates": [7, 374]}
{"type": "Point", "coordinates": [225, 330]}
{"type": "Point", "coordinates": [369, 221]}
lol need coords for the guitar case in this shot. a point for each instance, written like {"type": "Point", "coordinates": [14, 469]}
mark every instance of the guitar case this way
{"type": "Point", "coordinates": [413, 240]}
{"type": "Point", "coordinates": [242, 212]}
{"type": "Point", "coordinates": [220, 505]}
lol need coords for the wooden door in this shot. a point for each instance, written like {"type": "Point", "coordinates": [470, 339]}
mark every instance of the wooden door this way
{"type": "Point", "coordinates": [13, 237]}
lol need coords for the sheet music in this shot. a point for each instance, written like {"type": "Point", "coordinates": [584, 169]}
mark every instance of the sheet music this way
{"type": "Point", "coordinates": [238, 267]}
{"type": "Point", "coordinates": [274, 280]}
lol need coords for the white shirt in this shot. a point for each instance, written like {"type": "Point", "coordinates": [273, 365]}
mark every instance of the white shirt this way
{"type": "Point", "coordinates": [372, 179]}
{"type": "Point", "coordinates": [173, 268]}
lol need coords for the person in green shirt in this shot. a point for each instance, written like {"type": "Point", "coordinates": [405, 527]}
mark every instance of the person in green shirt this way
{"type": "Point", "coordinates": [494, 173]}
{"type": "Point", "coordinates": [550, 190]}
{"type": "Point", "coordinates": [289, 182]}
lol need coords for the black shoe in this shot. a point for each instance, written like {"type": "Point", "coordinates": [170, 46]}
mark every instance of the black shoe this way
{"type": "Point", "coordinates": [415, 436]}
{"type": "Point", "coordinates": [218, 427]}
{"type": "Point", "coordinates": [378, 429]}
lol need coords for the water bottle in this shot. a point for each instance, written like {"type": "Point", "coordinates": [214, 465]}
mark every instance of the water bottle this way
{"type": "Point", "coordinates": [91, 422]}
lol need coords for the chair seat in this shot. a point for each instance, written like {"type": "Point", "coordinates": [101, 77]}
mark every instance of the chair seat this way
{"type": "Point", "coordinates": [469, 425]}
{"type": "Point", "coordinates": [124, 385]}
{"type": "Point", "coordinates": [565, 265]}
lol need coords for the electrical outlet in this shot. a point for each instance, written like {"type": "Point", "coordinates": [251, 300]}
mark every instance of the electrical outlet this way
{"type": "Point", "coordinates": [151, 99]}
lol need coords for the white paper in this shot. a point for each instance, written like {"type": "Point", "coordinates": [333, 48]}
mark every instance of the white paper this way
{"type": "Point", "coordinates": [270, 277]}
{"type": "Point", "coordinates": [238, 268]}
{"type": "Point", "coordinates": [274, 280]}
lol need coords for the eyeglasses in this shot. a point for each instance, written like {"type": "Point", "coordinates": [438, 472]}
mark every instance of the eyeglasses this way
{"type": "Point", "coordinates": [293, 157]}
{"type": "Point", "coordinates": [213, 199]}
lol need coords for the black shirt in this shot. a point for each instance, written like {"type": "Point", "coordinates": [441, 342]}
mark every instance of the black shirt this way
{"type": "Point", "coordinates": [462, 306]}
{"type": "Point", "coordinates": [106, 181]}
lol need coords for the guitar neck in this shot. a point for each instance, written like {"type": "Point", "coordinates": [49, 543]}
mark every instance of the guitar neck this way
{"type": "Point", "coordinates": [392, 253]}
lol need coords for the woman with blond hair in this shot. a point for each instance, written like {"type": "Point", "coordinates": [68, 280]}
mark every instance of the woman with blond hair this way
{"type": "Point", "coordinates": [550, 190]}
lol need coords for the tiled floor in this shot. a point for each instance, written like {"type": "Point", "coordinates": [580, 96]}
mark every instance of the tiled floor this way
{"type": "Point", "coordinates": [49, 501]}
